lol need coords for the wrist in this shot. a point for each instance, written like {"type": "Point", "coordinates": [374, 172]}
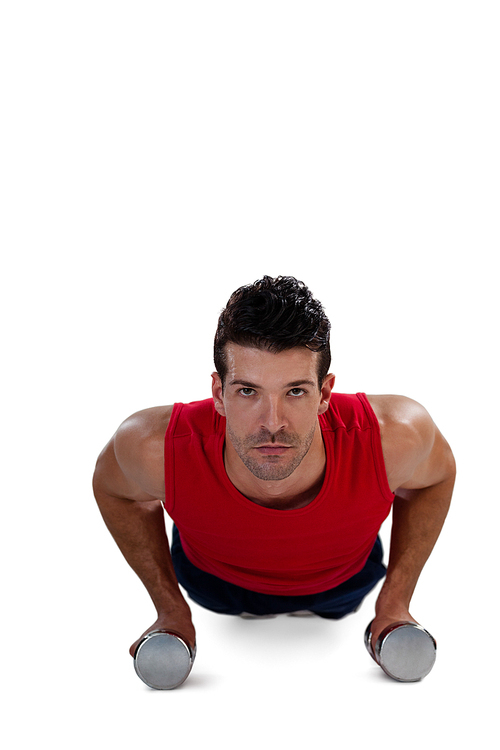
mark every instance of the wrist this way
{"type": "Point", "coordinates": [392, 600]}
{"type": "Point", "coordinates": [174, 605]}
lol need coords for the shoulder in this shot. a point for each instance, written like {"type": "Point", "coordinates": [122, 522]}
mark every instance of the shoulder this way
{"type": "Point", "coordinates": [144, 427]}
{"type": "Point", "coordinates": [134, 457]}
{"type": "Point", "coordinates": [408, 435]}
{"type": "Point", "coordinates": [403, 413]}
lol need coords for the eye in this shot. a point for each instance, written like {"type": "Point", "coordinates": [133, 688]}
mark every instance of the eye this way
{"type": "Point", "coordinates": [296, 392]}
{"type": "Point", "coordinates": [246, 391]}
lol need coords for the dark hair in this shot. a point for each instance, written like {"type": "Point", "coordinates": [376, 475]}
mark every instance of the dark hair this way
{"type": "Point", "coordinates": [274, 314]}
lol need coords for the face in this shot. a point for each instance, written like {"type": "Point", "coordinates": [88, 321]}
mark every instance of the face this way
{"type": "Point", "coordinates": [271, 403]}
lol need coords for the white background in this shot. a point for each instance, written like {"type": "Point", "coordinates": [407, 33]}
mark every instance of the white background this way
{"type": "Point", "coordinates": [156, 156]}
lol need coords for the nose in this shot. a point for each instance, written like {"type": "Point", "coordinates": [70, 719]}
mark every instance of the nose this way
{"type": "Point", "coordinates": [273, 417]}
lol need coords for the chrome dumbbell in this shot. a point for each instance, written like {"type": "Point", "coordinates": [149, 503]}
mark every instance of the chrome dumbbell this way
{"type": "Point", "coordinates": [163, 660]}
{"type": "Point", "coordinates": [405, 651]}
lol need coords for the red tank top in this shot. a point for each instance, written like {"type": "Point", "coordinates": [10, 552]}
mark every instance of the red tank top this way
{"type": "Point", "coordinates": [285, 552]}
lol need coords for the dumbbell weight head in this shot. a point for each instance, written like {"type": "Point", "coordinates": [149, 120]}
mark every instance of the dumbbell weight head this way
{"type": "Point", "coordinates": [405, 651]}
{"type": "Point", "coordinates": [163, 660]}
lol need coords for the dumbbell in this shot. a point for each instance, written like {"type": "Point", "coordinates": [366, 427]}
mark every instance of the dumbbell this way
{"type": "Point", "coordinates": [163, 660]}
{"type": "Point", "coordinates": [405, 650]}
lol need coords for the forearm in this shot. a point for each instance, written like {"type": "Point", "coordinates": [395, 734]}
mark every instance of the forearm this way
{"type": "Point", "coordinates": [139, 531]}
{"type": "Point", "coordinates": [418, 517]}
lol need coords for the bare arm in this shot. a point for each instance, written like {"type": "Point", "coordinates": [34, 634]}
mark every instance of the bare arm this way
{"type": "Point", "coordinates": [128, 482]}
{"type": "Point", "coordinates": [421, 470]}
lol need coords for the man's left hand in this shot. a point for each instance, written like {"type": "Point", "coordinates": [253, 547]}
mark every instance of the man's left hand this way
{"type": "Point", "coordinates": [384, 619]}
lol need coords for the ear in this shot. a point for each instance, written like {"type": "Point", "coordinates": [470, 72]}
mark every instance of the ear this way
{"type": "Point", "coordinates": [217, 394]}
{"type": "Point", "coordinates": [326, 392]}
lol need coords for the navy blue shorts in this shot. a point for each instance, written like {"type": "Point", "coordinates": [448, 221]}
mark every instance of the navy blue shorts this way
{"type": "Point", "coordinates": [226, 598]}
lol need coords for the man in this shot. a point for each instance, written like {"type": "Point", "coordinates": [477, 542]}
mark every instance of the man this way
{"type": "Point", "coordinates": [277, 486]}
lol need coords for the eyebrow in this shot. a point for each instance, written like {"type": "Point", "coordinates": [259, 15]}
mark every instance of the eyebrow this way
{"type": "Point", "coordinates": [293, 384]}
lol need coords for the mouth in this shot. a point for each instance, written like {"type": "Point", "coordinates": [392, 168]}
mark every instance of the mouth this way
{"type": "Point", "coordinates": [272, 450]}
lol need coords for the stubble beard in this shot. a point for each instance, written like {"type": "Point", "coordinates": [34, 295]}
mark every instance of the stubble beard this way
{"type": "Point", "coordinates": [273, 468]}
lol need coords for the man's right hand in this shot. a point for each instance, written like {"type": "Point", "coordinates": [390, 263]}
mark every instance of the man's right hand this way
{"type": "Point", "coordinates": [181, 626]}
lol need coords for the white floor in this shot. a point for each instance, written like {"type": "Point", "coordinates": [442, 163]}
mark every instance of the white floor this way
{"type": "Point", "coordinates": [288, 682]}
{"type": "Point", "coordinates": [157, 155]}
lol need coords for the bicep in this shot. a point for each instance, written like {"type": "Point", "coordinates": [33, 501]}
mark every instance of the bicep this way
{"type": "Point", "coordinates": [115, 480]}
{"type": "Point", "coordinates": [131, 466]}
{"type": "Point", "coordinates": [416, 454]}
{"type": "Point", "coordinates": [433, 462]}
